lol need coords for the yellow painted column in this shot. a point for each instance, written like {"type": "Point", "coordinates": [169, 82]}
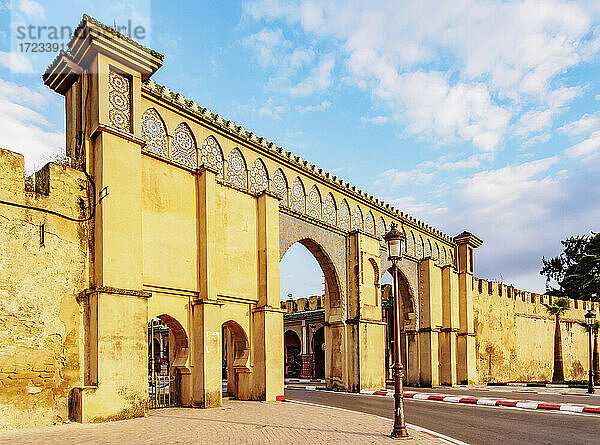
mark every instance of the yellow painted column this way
{"type": "Point", "coordinates": [206, 310]}
{"type": "Point", "coordinates": [116, 361]}
{"type": "Point", "coordinates": [366, 330]}
{"type": "Point", "coordinates": [431, 322]}
{"type": "Point", "coordinates": [450, 320]}
{"type": "Point", "coordinates": [206, 354]}
{"type": "Point", "coordinates": [466, 356]}
{"type": "Point", "coordinates": [267, 316]}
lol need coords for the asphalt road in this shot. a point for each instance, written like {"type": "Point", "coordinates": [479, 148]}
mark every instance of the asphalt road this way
{"type": "Point", "coordinates": [471, 424]}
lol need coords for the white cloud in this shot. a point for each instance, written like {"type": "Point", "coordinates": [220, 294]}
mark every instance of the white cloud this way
{"type": "Point", "coordinates": [433, 106]}
{"type": "Point", "coordinates": [266, 44]}
{"type": "Point", "coordinates": [541, 120]}
{"type": "Point", "coordinates": [420, 209]}
{"type": "Point", "coordinates": [318, 80]}
{"type": "Point", "coordinates": [501, 189]}
{"type": "Point", "coordinates": [272, 50]}
{"type": "Point", "coordinates": [586, 147]}
{"type": "Point", "coordinates": [318, 107]}
{"type": "Point", "coordinates": [16, 62]}
{"type": "Point", "coordinates": [24, 129]}
{"type": "Point", "coordinates": [470, 162]}
{"type": "Point", "coordinates": [269, 109]}
{"type": "Point", "coordinates": [584, 125]}
{"type": "Point", "coordinates": [375, 120]}
{"type": "Point", "coordinates": [394, 178]}
{"type": "Point", "coordinates": [501, 59]}
{"type": "Point", "coordinates": [32, 9]}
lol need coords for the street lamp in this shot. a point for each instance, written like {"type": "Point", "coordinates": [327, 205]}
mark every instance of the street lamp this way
{"type": "Point", "coordinates": [312, 337]}
{"type": "Point", "coordinates": [395, 240]}
{"type": "Point", "coordinates": [590, 317]}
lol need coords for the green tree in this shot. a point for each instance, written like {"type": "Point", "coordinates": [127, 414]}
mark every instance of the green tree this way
{"type": "Point", "coordinates": [582, 278]}
{"type": "Point", "coordinates": [596, 358]}
{"type": "Point", "coordinates": [556, 269]}
{"type": "Point", "coordinates": [557, 308]}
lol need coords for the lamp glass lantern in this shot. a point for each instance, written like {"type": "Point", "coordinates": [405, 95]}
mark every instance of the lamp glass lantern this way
{"type": "Point", "coordinates": [590, 317]}
{"type": "Point", "coordinates": [395, 240]}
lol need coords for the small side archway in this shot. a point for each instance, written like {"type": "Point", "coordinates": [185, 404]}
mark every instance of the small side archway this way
{"type": "Point", "coordinates": [168, 353]}
{"type": "Point", "coordinates": [292, 347]}
{"type": "Point", "coordinates": [236, 356]}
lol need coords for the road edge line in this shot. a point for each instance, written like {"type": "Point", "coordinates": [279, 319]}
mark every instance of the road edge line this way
{"type": "Point", "coordinates": [421, 429]}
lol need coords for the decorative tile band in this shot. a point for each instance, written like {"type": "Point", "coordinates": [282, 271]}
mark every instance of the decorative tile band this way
{"type": "Point", "coordinates": [119, 109]}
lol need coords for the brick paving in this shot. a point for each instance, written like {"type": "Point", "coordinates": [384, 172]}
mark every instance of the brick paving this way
{"type": "Point", "coordinates": [236, 422]}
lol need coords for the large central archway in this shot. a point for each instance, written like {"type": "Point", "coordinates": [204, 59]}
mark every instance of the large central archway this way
{"type": "Point", "coordinates": [328, 249]}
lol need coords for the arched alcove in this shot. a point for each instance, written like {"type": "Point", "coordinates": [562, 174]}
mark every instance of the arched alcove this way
{"type": "Point", "coordinates": [236, 355]}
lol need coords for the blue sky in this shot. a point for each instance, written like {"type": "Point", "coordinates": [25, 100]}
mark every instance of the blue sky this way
{"type": "Point", "coordinates": [480, 116]}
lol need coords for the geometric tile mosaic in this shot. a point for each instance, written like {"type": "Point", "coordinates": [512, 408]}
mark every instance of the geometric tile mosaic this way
{"type": "Point", "coordinates": [370, 223]}
{"type": "Point", "coordinates": [236, 169]}
{"type": "Point", "coordinates": [329, 213]}
{"type": "Point", "coordinates": [154, 132]}
{"type": "Point", "coordinates": [119, 103]}
{"type": "Point", "coordinates": [258, 177]}
{"type": "Point", "coordinates": [344, 216]}
{"type": "Point", "coordinates": [184, 146]}
{"type": "Point", "coordinates": [298, 196]}
{"type": "Point", "coordinates": [357, 219]}
{"type": "Point", "coordinates": [292, 229]}
{"type": "Point", "coordinates": [279, 186]}
{"type": "Point", "coordinates": [314, 203]}
{"type": "Point", "coordinates": [211, 155]}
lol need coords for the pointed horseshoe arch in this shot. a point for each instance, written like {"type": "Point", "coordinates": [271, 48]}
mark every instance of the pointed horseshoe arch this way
{"type": "Point", "coordinates": [328, 248]}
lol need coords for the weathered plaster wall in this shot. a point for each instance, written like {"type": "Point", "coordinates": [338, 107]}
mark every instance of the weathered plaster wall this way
{"type": "Point", "coordinates": [40, 317]}
{"type": "Point", "coordinates": [515, 335]}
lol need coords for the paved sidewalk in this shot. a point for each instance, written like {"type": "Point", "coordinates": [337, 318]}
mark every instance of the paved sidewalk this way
{"type": "Point", "coordinates": [236, 422]}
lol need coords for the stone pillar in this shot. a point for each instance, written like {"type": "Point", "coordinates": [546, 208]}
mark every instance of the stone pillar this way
{"type": "Point", "coordinates": [466, 358]}
{"type": "Point", "coordinates": [431, 322]}
{"type": "Point", "coordinates": [450, 322]}
{"type": "Point", "coordinates": [267, 325]}
{"type": "Point", "coordinates": [206, 354]}
{"type": "Point", "coordinates": [365, 328]}
{"type": "Point", "coordinates": [206, 310]}
{"type": "Point", "coordinates": [413, 370]}
{"type": "Point", "coordinates": [307, 359]}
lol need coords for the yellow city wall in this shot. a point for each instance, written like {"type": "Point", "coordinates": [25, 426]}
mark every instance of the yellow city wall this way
{"type": "Point", "coordinates": [40, 338]}
{"type": "Point", "coordinates": [515, 336]}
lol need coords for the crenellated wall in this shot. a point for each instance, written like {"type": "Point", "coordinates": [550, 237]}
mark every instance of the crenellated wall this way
{"type": "Point", "coordinates": [515, 335]}
{"type": "Point", "coordinates": [304, 304]}
{"type": "Point", "coordinates": [43, 267]}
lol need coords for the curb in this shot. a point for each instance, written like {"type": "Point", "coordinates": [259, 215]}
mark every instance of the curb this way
{"type": "Point", "coordinates": [524, 404]}
{"type": "Point", "coordinates": [434, 434]}
{"type": "Point", "coordinates": [304, 381]}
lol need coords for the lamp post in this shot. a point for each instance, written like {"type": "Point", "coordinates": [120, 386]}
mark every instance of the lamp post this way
{"type": "Point", "coordinates": [590, 317]}
{"type": "Point", "coordinates": [312, 342]}
{"type": "Point", "coordinates": [395, 240]}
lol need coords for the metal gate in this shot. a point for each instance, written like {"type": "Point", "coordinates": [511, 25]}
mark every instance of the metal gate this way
{"type": "Point", "coordinates": [162, 390]}
{"type": "Point", "coordinates": [163, 381]}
